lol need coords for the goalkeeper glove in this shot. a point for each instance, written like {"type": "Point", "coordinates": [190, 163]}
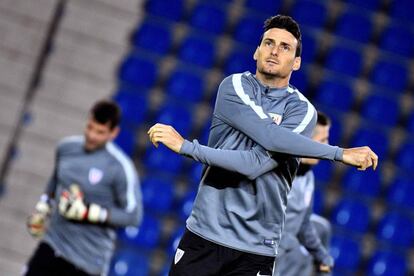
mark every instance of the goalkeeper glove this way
{"type": "Point", "coordinates": [36, 221]}
{"type": "Point", "coordinates": [72, 206]}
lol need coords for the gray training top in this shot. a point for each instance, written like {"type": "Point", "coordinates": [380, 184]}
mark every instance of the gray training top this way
{"type": "Point", "coordinates": [106, 177]}
{"type": "Point", "coordinates": [298, 227]}
{"type": "Point", "coordinates": [244, 212]}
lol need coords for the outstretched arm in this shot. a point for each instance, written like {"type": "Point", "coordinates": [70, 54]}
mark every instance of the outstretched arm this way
{"type": "Point", "coordinates": [251, 163]}
{"type": "Point", "coordinates": [236, 106]}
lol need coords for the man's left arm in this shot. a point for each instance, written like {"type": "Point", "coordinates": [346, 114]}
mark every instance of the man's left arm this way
{"type": "Point", "coordinates": [309, 238]}
{"type": "Point", "coordinates": [128, 196]}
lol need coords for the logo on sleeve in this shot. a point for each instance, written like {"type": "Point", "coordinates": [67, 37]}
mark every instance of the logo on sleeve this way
{"type": "Point", "coordinates": [95, 176]}
{"type": "Point", "coordinates": [178, 255]}
{"type": "Point", "coordinates": [276, 118]}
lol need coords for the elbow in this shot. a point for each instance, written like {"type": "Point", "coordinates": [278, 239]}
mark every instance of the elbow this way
{"type": "Point", "coordinates": [135, 218]}
{"type": "Point", "coordinates": [253, 174]}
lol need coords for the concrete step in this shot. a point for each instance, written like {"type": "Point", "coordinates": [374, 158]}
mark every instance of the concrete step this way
{"type": "Point", "coordinates": [39, 10]}
{"type": "Point", "coordinates": [101, 22]}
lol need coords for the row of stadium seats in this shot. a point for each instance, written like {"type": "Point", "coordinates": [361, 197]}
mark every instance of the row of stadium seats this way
{"type": "Point", "coordinates": [307, 12]}
{"type": "Point", "coordinates": [182, 31]}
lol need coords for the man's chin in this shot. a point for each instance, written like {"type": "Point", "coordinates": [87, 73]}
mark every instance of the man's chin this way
{"type": "Point", "coordinates": [90, 147]}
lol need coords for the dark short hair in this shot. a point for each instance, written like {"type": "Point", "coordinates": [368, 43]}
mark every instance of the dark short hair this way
{"type": "Point", "coordinates": [106, 111]}
{"type": "Point", "coordinates": [323, 119]}
{"type": "Point", "coordinates": [287, 23]}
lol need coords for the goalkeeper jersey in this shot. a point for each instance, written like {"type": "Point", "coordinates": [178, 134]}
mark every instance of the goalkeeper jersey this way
{"type": "Point", "coordinates": [106, 177]}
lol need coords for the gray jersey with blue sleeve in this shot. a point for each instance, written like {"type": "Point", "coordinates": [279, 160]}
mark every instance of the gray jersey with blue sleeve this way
{"type": "Point", "coordinates": [230, 209]}
{"type": "Point", "coordinates": [106, 177]}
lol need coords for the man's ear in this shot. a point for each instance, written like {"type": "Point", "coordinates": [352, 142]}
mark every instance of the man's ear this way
{"type": "Point", "coordinates": [256, 53]}
{"type": "Point", "coordinates": [296, 64]}
{"type": "Point", "coordinates": [115, 132]}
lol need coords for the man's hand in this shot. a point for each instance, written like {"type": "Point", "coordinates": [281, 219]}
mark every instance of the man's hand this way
{"type": "Point", "coordinates": [160, 133]}
{"type": "Point", "coordinates": [325, 266]}
{"type": "Point", "coordinates": [72, 206]}
{"type": "Point", "coordinates": [322, 268]}
{"type": "Point", "coordinates": [361, 157]}
{"type": "Point", "coordinates": [36, 222]}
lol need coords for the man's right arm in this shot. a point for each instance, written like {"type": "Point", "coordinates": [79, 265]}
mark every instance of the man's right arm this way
{"type": "Point", "coordinates": [235, 106]}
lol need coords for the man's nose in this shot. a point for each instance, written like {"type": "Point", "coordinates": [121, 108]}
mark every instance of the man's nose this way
{"type": "Point", "coordinates": [275, 51]}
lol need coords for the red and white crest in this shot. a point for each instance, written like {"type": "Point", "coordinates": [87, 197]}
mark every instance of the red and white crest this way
{"type": "Point", "coordinates": [95, 175]}
{"type": "Point", "coordinates": [276, 118]}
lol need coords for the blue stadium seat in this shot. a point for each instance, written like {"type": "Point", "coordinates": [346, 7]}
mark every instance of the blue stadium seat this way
{"type": "Point", "coordinates": [195, 173]}
{"type": "Point", "coordinates": [197, 50]}
{"type": "Point", "coordinates": [299, 79]}
{"type": "Point", "coordinates": [157, 193]}
{"type": "Point", "coordinates": [239, 61]}
{"type": "Point", "coordinates": [187, 204]}
{"type": "Point", "coordinates": [368, 4]}
{"type": "Point", "coordinates": [126, 140]}
{"type": "Point", "coordinates": [351, 21]}
{"type": "Point", "coordinates": [174, 240]}
{"type": "Point", "coordinates": [398, 39]}
{"type": "Point", "coordinates": [352, 215]}
{"type": "Point", "coordinates": [410, 123]}
{"type": "Point", "coordinates": [185, 86]}
{"type": "Point", "coordinates": [249, 30]}
{"type": "Point", "coordinates": [373, 138]}
{"type": "Point", "coordinates": [345, 61]}
{"type": "Point", "coordinates": [401, 193]}
{"type": "Point", "coordinates": [396, 229]}
{"type": "Point", "coordinates": [367, 183]}
{"type": "Point", "coordinates": [269, 7]}
{"type": "Point", "coordinates": [405, 158]}
{"type": "Point", "coordinates": [134, 106]}
{"type": "Point", "coordinates": [309, 48]}
{"type": "Point", "coordinates": [318, 201]}
{"type": "Point", "coordinates": [172, 9]}
{"type": "Point", "coordinates": [381, 109]}
{"type": "Point", "coordinates": [310, 13]}
{"type": "Point", "coordinates": [208, 17]}
{"type": "Point", "coordinates": [337, 94]}
{"type": "Point", "coordinates": [129, 262]}
{"type": "Point", "coordinates": [138, 71]}
{"type": "Point", "coordinates": [403, 10]}
{"type": "Point", "coordinates": [177, 115]}
{"type": "Point", "coordinates": [147, 235]}
{"type": "Point", "coordinates": [205, 132]}
{"type": "Point", "coordinates": [162, 159]}
{"type": "Point", "coordinates": [152, 36]}
{"type": "Point", "coordinates": [390, 75]}
{"type": "Point", "coordinates": [336, 130]}
{"type": "Point", "coordinates": [346, 253]}
{"type": "Point", "coordinates": [323, 171]}
{"type": "Point", "coordinates": [385, 263]}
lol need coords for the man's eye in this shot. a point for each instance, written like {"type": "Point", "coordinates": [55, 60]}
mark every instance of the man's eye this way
{"type": "Point", "coordinates": [285, 48]}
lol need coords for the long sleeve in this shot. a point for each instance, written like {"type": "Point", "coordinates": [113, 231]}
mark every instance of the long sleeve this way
{"type": "Point", "coordinates": [128, 196]}
{"type": "Point", "coordinates": [236, 106]}
{"type": "Point", "coordinates": [53, 181]}
{"type": "Point", "coordinates": [308, 237]}
{"type": "Point", "coordinates": [251, 163]}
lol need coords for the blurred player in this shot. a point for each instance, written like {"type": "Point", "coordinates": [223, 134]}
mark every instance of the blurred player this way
{"type": "Point", "coordinates": [236, 223]}
{"type": "Point", "coordinates": [301, 245]}
{"type": "Point", "coordinates": [94, 189]}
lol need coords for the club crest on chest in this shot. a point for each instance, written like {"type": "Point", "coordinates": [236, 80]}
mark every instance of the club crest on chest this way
{"type": "Point", "coordinates": [95, 176]}
{"type": "Point", "coordinates": [276, 118]}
